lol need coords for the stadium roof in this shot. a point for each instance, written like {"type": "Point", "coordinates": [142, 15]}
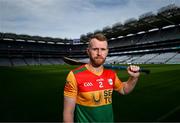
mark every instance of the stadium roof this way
{"type": "Point", "coordinates": [168, 15]}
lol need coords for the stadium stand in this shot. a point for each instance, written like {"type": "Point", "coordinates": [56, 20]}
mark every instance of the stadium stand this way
{"type": "Point", "coordinates": [54, 61]}
{"type": "Point", "coordinates": [174, 60]}
{"type": "Point", "coordinates": [153, 38]}
{"type": "Point", "coordinates": [144, 58]}
{"type": "Point", "coordinates": [161, 58]}
{"type": "Point", "coordinates": [18, 62]}
{"type": "Point", "coordinates": [31, 61]}
{"type": "Point", "coordinates": [5, 62]}
{"type": "Point", "coordinates": [111, 60]}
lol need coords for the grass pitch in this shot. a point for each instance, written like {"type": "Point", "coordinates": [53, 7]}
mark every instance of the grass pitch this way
{"type": "Point", "coordinates": [35, 93]}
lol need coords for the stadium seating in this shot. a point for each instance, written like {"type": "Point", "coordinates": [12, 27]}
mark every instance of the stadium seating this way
{"type": "Point", "coordinates": [111, 60]}
{"type": "Point", "coordinates": [154, 38]}
{"type": "Point", "coordinates": [174, 60]}
{"type": "Point", "coordinates": [56, 61]}
{"type": "Point", "coordinates": [31, 61]}
{"type": "Point", "coordinates": [18, 62]}
{"type": "Point", "coordinates": [5, 62]}
{"type": "Point", "coordinates": [144, 58]}
{"type": "Point", "coordinates": [162, 58]}
{"type": "Point", "coordinates": [155, 58]}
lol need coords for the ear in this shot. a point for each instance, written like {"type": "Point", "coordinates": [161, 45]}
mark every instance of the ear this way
{"type": "Point", "coordinates": [87, 51]}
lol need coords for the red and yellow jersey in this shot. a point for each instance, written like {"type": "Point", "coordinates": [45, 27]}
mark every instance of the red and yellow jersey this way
{"type": "Point", "coordinates": [93, 93]}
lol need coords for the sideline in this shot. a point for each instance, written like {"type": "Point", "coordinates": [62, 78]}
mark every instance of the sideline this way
{"type": "Point", "coordinates": [169, 113]}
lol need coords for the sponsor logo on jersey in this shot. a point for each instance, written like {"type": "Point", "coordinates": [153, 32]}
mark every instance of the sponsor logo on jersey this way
{"type": "Point", "coordinates": [108, 96]}
{"type": "Point", "coordinates": [99, 80]}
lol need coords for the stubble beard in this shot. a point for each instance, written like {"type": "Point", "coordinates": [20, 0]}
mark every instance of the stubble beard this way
{"type": "Point", "coordinates": [97, 61]}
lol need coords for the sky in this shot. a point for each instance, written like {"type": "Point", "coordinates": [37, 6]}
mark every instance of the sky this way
{"type": "Point", "coordinates": [71, 18]}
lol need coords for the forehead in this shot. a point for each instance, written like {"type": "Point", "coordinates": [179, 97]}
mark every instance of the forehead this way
{"type": "Point", "coordinates": [98, 44]}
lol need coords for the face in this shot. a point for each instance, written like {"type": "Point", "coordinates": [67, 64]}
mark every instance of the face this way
{"type": "Point", "coordinates": [97, 52]}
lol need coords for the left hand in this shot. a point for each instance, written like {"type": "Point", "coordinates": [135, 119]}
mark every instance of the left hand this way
{"type": "Point", "coordinates": [133, 71]}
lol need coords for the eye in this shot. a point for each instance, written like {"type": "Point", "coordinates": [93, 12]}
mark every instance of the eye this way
{"type": "Point", "coordinates": [95, 49]}
{"type": "Point", "coordinates": [103, 49]}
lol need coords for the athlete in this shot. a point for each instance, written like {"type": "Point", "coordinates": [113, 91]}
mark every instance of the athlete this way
{"type": "Point", "coordinates": [88, 89]}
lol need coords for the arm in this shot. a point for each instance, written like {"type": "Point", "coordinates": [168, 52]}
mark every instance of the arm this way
{"type": "Point", "coordinates": [70, 93]}
{"type": "Point", "coordinates": [129, 85]}
{"type": "Point", "coordinates": [69, 106]}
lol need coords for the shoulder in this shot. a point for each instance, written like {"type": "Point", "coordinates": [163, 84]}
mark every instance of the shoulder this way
{"type": "Point", "coordinates": [79, 69]}
{"type": "Point", "coordinates": [109, 71]}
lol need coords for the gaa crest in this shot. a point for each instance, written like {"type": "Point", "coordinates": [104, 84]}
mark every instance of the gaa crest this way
{"type": "Point", "coordinates": [110, 81]}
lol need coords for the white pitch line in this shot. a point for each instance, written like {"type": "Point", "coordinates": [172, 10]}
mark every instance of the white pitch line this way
{"type": "Point", "coordinates": [169, 113]}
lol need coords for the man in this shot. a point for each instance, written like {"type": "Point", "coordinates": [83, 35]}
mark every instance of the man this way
{"type": "Point", "coordinates": [88, 89]}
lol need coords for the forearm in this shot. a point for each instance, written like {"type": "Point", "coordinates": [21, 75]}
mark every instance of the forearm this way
{"type": "Point", "coordinates": [130, 84]}
{"type": "Point", "coordinates": [68, 117]}
{"type": "Point", "coordinates": [68, 113]}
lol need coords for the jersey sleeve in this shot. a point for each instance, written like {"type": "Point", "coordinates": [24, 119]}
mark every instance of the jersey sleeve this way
{"type": "Point", "coordinates": [70, 89]}
{"type": "Point", "coordinates": [118, 84]}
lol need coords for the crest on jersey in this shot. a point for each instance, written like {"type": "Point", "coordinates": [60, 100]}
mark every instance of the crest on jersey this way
{"type": "Point", "coordinates": [110, 81]}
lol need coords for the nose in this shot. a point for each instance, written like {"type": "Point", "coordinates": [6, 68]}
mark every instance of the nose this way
{"type": "Point", "coordinates": [99, 52]}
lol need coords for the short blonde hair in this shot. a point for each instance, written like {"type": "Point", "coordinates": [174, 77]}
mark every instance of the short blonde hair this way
{"type": "Point", "coordinates": [98, 36]}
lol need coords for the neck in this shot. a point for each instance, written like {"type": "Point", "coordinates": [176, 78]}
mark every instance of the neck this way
{"type": "Point", "coordinates": [95, 68]}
